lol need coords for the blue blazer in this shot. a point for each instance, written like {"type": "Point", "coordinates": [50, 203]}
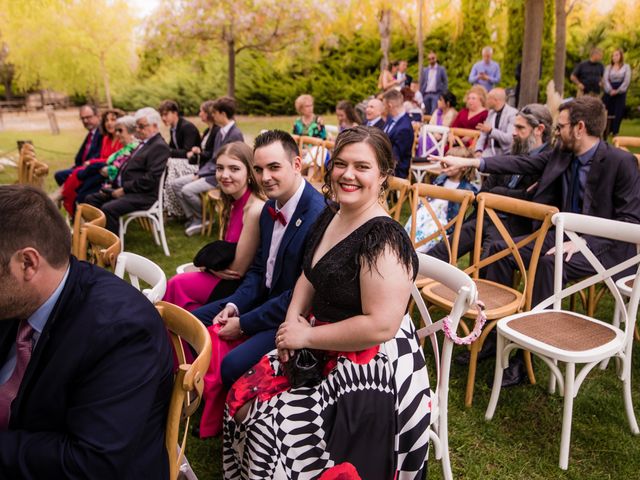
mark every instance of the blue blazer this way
{"type": "Point", "coordinates": [263, 308]}
{"type": "Point", "coordinates": [442, 82]}
{"type": "Point", "coordinates": [94, 398]}
{"type": "Point", "coordinates": [94, 149]}
{"type": "Point", "coordinates": [401, 136]}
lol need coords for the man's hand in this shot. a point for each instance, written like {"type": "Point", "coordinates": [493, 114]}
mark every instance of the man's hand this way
{"type": "Point", "coordinates": [477, 153]}
{"type": "Point", "coordinates": [227, 274]}
{"type": "Point", "coordinates": [224, 315]}
{"type": "Point", "coordinates": [483, 76]}
{"type": "Point", "coordinates": [231, 329]}
{"type": "Point", "coordinates": [567, 247]}
{"type": "Point", "coordinates": [484, 128]}
{"type": "Point", "coordinates": [118, 192]}
{"type": "Point", "coordinates": [452, 165]}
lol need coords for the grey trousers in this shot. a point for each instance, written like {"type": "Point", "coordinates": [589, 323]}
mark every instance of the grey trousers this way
{"type": "Point", "coordinates": [188, 191]}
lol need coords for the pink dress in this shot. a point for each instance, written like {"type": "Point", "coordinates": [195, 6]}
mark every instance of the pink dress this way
{"type": "Point", "coordinates": [191, 290]}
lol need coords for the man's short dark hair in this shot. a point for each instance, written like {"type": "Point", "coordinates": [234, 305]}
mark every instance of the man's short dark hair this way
{"type": "Point", "coordinates": [272, 136]}
{"type": "Point", "coordinates": [590, 110]}
{"type": "Point", "coordinates": [169, 106]}
{"type": "Point", "coordinates": [226, 105]}
{"type": "Point", "coordinates": [30, 219]}
{"type": "Point", "coordinates": [93, 108]}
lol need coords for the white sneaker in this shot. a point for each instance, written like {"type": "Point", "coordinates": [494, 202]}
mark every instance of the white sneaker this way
{"type": "Point", "coordinates": [193, 229]}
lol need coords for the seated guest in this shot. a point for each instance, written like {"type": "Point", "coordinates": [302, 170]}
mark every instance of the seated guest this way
{"type": "Point", "coordinates": [444, 210]}
{"type": "Point", "coordinates": [374, 112]}
{"type": "Point", "coordinates": [497, 130]}
{"type": "Point", "coordinates": [347, 115]}
{"type": "Point", "coordinates": [582, 174]}
{"type": "Point", "coordinates": [308, 124]}
{"type": "Point", "coordinates": [91, 145]}
{"type": "Point", "coordinates": [71, 405]}
{"type": "Point", "coordinates": [358, 271]}
{"type": "Point", "coordinates": [400, 131]}
{"type": "Point", "coordinates": [475, 111]}
{"type": "Point", "coordinates": [245, 323]}
{"type": "Point", "coordinates": [125, 131]}
{"type": "Point", "coordinates": [138, 182]}
{"type": "Point", "coordinates": [411, 105]}
{"type": "Point", "coordinates": [445, 112]}
{"type": "Point", "coordinates": [184, 134]}
{"type": "Point", "coordinates": [417, 96]}
{"type": "Point", "coordinates": [189, 187]}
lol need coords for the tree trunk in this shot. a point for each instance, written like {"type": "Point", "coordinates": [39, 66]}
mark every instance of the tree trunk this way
{"type": "Point", "coordinates": [231, 82]}
{"type": "Point", "coordinates": [560, 50]}
{"type": "Point", "coordinates": [531, 51]}
{"type": "Point", "coordinates": [106, 83]}
{"type": "Point", "coordinates": [420, 41]}
{"type": "Point", "coordinates": [384, 27]}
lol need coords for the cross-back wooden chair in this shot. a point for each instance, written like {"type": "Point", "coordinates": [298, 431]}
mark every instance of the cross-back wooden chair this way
{"type": "Point", "coordinates": [188, 383]}
{"type": "Point", "coordinates": [212, 206]}
{"type": "Point", "coordinates": [500, 300]}
{"type": "Point", "coordinates": [315, 157]}
{"type": "Point", "coordinates": [396, 196]}
{"type": "Point", "coordinates": [27, 154]}
{"type": "Point", "coordinates": [85, 214]}
{"type": "Point", "coordinates": [457, 136]}
{"type": "Point", "coordinates": [625, 143]}
{"type": "Point", "coordinates": [420, 195]}
{"type": "Point", "coordinates": [36, 173]}
{"type": "Point", "coordinates": [98, 246]}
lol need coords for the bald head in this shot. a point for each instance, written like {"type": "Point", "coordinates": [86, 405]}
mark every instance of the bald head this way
{"type": "Point", "coordinates": [374, 109]}
{"type": "Point", "coordinates": [496, 98]}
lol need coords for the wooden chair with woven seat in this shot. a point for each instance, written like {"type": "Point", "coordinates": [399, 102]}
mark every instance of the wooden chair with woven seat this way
{"type": "Point", "coordinates": [457, 136]}
{"type": "Point", "coordinates": [396, 196]}
{"type": "Point", "coordinates": [558, 335]}
{"type": "Point", "coordinates": [98, 246]}
{"type": "Point", "coordinates": [188, 383]}
{"type": "Point", "coordinates": [499, 300]}
{"type": "Point", "coordinates": [85, 214]}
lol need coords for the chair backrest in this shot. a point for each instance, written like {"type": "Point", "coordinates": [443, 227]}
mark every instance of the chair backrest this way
{"type": "Point", "coordinates": [456, 136]}
{"type": "Point", "coordinates": [98, 245]}
{"type": "Point", "coordinates": [141, 268]}
{"type": "Point", "coordinates": [575, 226]}
{"type": "Point", "coordinates": [396, 196]}
{"type": "Point", "coordinates": [27, 155]}
{"type": "Point", "coordinates": [36, 172]}
{"type": "Point", "coordinates": [489, 204]}
{"type": "Point", "coordinates": [188, 383]}
{"type": "Point", "coordinates": [436, 137]}
{"type": "Point", "coordinates": [416, 135]}
{"type": "Point", "coordinates": [626, 142]}
{"type": "Point", "coordinates": [467, 296]}
{"type": "Point", "coordinates": [317, 152]}
{"type": "Point", "coordinates": [420, 195]}
{"type": "Point", "coordinates": [85, 213]}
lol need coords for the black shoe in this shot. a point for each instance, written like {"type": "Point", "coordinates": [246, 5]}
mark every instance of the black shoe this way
{"type": "Point", "coordinates": [514, 374]}
{"type": "Point", "coordinates": [488, 350]}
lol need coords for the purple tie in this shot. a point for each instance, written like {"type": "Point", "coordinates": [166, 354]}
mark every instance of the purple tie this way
{"type": "Point", "coordinates": [9, 390]}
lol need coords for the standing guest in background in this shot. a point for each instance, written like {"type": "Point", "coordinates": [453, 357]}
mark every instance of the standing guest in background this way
{"type": "Point", "coordinates": [138, 182]}
{"type": "Point", "coordinates": [475, 111]}
{"type": "Point", "coordinates": [497, 130]}
{"type": "Point", "coordinates": [433, 84]}
{"type": "Point", "coordinates": [374, 112]}
{"type": "Point", "coordinates": [184, 134]}
{"type": "Point", "coordinates": [347, 115]}
{"type": "Point", "coordinates": [387, 79]}
{"type": "Point", "coordinates": [616, 81]}
{"type": "Point", "coordinates": [402, 77]}
{"type": "Point", "coordinates": [587, 75]}
{"type": "Point", "coordinates": [85, 361]}
{"type": "Point", "coordinates": [91, 145]}
{"type": "Point", "coordinates": [486, 72]}
{"type": "Point", "coordinates": [400, 131]}
{"type": "Point", "coordinates": [308, 124]}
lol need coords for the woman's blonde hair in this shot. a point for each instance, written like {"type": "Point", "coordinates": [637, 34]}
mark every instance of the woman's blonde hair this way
{"type": "Point", "coordinates": [300, 100]}
{"type": "Point", "coordinates": [480, 91]}
{"type": "Point", "coordinates": [243, 153]}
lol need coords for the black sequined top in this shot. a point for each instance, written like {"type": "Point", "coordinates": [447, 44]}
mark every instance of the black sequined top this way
{"type": "Point", "coordinates": [335, 277]}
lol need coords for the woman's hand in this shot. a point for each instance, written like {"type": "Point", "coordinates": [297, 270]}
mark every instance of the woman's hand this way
{"type": "Point", "coordinates": [293, 334]}
{"type": "Point", "coordinates": [104, 172]}
{"type": "Point", "coordinates": [227, 274]}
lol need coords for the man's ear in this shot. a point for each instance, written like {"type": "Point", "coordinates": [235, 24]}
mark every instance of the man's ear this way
{"type": "Point", "coordinates": [30, 262]}
{"type": "Point", "coordinates": [297, 163]}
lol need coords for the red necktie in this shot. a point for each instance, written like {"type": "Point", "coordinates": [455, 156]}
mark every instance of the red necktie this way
{"type": "Point", "coordinates": [87, 146]}
{"type": "Point", "coordinates": [9, 390]}
{"type": "Point", "coordinates": [277, 216]}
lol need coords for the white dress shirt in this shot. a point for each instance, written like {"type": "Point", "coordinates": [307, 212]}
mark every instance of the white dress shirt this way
{"type": "Point", "coordinates": [224, 130]}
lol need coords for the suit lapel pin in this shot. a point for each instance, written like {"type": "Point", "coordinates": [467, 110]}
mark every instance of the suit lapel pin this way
{"type": "Point", "coordinates": [298, 222]}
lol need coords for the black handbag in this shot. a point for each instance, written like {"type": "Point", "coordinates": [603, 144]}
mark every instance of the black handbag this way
{"type": "Point", "coordinates": [305, 368]}
{"type": "Point", "coordinates": [216, 255]}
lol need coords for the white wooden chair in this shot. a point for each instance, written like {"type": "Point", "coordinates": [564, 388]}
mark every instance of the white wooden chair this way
{"type": "Point", "coordinates": [466, 298]}
{"type": "Point", "coordinates": [557, 335]}
{"type": "Point", "coordinates": [139, 268]}
{"type": "Point", "coordinates": [155, 214]}
{"type": "Point", "coordinates": [436, 135]}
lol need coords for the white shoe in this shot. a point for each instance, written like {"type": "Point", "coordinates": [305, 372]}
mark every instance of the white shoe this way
{"type": "Point", "coordinates": [193, 229]}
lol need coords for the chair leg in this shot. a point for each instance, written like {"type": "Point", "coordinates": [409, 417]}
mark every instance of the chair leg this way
{"type": "Point", "coordinates": [497, 378]}
{"type": "Point", "coordinates": [529, 365]}
{"type": "Point", "coordinates": [628, 401]}
{"type": "Point", "coordinates": [163, 237]}
{"type": "Point", "coordinates": [616, 323]}
{"type": "Point", "coordinates": [567, 415]}
{"type": "Point", "coordinates": [552, 381]}
{"type": "Point", "coordinates": [471, 376]}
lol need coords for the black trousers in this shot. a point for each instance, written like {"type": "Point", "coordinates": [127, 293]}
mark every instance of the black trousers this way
{"type": "Point", "coordinates": [114, 208]}
{"type": "Point", "coordinates": [615, 106]}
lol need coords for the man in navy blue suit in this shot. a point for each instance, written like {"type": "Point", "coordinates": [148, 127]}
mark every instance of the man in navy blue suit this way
{"type": "Point", "coordinates": [400, 131]}
{"type": "Point", "coordinates": [91, 145]}
{"type": "Point", "coordinates": [259, 305]}
{"type": "Point", "coordinates": [85, 361]}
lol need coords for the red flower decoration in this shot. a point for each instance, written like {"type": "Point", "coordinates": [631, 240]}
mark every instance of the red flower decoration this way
{"type": "Point", "coordinates": [344, 471]}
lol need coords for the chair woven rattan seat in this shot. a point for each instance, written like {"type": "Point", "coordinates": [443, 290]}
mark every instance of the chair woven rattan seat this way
{"type": "Point", "coordinates": [563, 330]}
{"type": "Point", "coordinates": [629, 283]}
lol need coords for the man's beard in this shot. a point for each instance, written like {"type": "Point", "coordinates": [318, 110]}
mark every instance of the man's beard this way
{"type": "Point", "coordinates": [520, 146]}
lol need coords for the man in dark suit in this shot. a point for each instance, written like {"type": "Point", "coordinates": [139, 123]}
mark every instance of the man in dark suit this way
{"type": "Point", "coordinates": [189, 187]}
{"type": "Point", "coordinates": [91, 145]}
{"type": "Point", "coordinates": [259, 305]}
{"type": "Point", "coordinates": [85, 362]}
{"type": "Point", "coordinates": [433, 83]}
{"type": "Point", "coordinates": [373, 113]}
{"type": "Point", "coordinates": [138, 181]}
{"type": "Point", "coordinates": [583, 174]}
{"type": "Point", "coordinates": [184, 134]}
{"type": "Point", "coordinates": [400, 131]}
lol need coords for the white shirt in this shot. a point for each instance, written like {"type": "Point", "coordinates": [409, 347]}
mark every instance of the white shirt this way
{"type": "Point", "coordinates": [224, 130]}
{"type": "Point", "coordinates": [432, 75]}
{"type": "Point", "coordinates": [371, 123]}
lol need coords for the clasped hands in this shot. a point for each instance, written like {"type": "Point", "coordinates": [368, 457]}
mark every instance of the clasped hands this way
{"type": "Point", "coordinates": [293, 334]}
{"type": "Point", "coordinates": [230, 324]}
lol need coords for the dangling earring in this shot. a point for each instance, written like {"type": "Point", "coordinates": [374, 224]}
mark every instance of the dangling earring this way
{"type": "Point", "coordinates": [382, 191]}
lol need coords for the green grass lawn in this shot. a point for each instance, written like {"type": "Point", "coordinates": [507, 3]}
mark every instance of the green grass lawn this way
{"type": "Point", "coordinates": [521, 442]}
